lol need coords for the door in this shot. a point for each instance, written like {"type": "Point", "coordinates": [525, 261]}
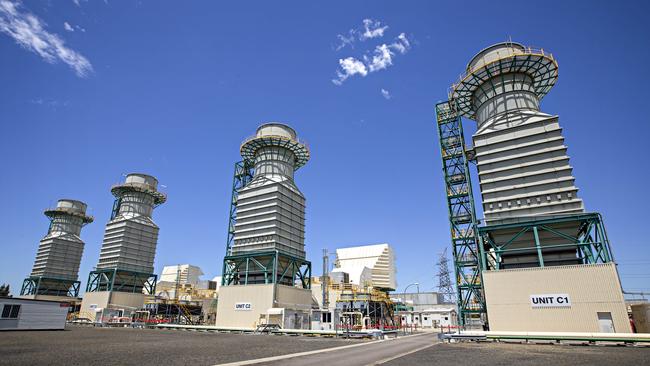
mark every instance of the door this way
{"type": "Point", "coordinates": [605, 323]}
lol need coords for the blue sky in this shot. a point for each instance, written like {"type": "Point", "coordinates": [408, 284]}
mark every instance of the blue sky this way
{"type": "Point", "coordinates": [172, 88]}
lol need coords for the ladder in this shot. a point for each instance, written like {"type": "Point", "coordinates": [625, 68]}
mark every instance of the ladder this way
{"type": "Point", "coordinates": [243, 175]}
{"type": "Point", "coordinates": [462, 215]}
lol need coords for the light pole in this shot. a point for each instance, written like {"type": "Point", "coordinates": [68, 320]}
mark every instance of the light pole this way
{"type": "Point", "coordinates": [406, 288]}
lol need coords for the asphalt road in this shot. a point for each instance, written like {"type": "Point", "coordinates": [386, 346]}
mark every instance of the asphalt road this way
{"type": "Point", "coordinates": [367, 354]}
{"type": "Point", "coordinates": [126, 346]}
{"type": "Point", "coordinates": [462, 354]}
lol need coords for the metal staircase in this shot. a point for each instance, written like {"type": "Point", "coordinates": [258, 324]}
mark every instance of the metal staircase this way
{"type": "Point", "coordinates": [462, 215]}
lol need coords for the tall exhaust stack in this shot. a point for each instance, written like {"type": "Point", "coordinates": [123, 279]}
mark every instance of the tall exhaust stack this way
{"type": "Point", "coordinates": [265, 267]}
{"type": "Point", "coordinates": [521, 157]}
{"type": "Point", "coordinates": [56, 267]}
{"type": "Point", "coordinates": [536, 238]}
{"type": "Point", "coordinates": [125, 269]}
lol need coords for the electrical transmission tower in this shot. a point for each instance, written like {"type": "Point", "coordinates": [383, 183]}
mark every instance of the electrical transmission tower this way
{"type": "Point", "coordinates": [445, 288]}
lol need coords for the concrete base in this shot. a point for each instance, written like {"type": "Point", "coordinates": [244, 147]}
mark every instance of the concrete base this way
{"type": "Point", "coordinates": [251, 305]}
{"type": "Point", "coordinates": [103, 305]}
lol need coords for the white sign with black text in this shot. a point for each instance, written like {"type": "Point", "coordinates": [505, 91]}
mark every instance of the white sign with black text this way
{"type": "Point", "coordinates": [550, 301]}
{"type": "Point", "coordinates": [243, 306]}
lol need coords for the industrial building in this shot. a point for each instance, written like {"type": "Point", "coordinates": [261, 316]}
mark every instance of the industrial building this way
{"type": "Point", "coordinates": [348, 297]}
{"type": "Point", "coordinates": [182, 297]}
{"type": "Point", "coordinates": [379, 258]}
{"type": "Point", "coordinates": [185, 274]}
{"type": "Point", "coordinates": [266, 278]}
{"type": "Point", "coordinates": [537, 261]}
{"type": "Point", "coordinates": [56, 268]}
{"type": "Point", "coordinates": [124, 274]}
{"type": "Point", "coordinates": [424, 310]}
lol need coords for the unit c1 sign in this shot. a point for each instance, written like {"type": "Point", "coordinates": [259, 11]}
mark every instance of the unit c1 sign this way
{"type": "Point", "coordinates": [550, 301]}
{"type": "Point", "coordinates": [243, 306]}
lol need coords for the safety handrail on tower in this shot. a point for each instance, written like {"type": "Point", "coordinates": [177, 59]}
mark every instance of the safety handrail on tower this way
{"type": "Point", "coordinates": [462, 215]}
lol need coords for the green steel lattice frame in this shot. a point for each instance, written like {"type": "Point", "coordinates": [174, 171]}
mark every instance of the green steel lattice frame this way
{"type": "Point", "coordinates": [38, 285]}
{"type": "Point", "coordinates": [590, 240]}
{"type": "Point", "coordinates": [462, 215]}
{"type": "Point", "coordinates": [121, 281]}
{"type": "Point", "coordinates": [273, 266]}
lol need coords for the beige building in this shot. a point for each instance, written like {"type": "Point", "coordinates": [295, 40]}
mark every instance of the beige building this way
{"type": "Point", "coordinates": [574, 298]}
{"type": "Point", "coordinates": [252, 305]}
{"type": "Point", "coordinates": [106, 306]}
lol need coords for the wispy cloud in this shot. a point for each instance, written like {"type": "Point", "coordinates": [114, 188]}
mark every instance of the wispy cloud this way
{"type": "Point", "coordinates": [385, 93]}
{"type": "Point", "coordinates": [346, 40]}
{"type": "Point", "coordinates": [381, 58]}
{"type": "Point", "coordinates": [371, 29]}
{"type": "Point", "coordinates": [71, 28]}
{"type": "Point", "coordinates": [47, 102]}
{"type": "Point", "coordinates": [349, 67]}
{"type": "Point", "coordinates": [28, 31]}
{"type": "Point", "coordinates": [383, 54]}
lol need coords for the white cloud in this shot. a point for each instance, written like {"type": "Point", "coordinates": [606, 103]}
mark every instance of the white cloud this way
{"type": "Point", "coordinates": [346, 40]}
{"type": "Point", "coordinates": [28, 31]}
{"type": "Point", "coordinates": [372, 29]}
{"type": "Point", "coordinates": [350, 66]}
{"type": "Point", "coordinates": [402, 44]}
{"type": "Point", "coordinates": [385, 93]}
{"type": "Point", "coordinates": [68, 27]}
{"type": "Point", "coordinates": [383, 54]}
{"type": "Point", "coordinates": [382, 58]}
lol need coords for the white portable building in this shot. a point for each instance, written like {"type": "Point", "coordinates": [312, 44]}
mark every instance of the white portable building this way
{"type": "Point", "coordinates": [29, 314]}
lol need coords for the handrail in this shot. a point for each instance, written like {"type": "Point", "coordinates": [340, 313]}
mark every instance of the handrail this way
{"type": "Point", "coordinates": [511, 53]}
{"type": "Point", "coordinates": [255, 137]}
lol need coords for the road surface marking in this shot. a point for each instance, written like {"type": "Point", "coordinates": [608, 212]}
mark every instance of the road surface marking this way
{"type": "Point", "coordinates": [307, 353]}
{"type": "Point", "coordinates": [400, 355]}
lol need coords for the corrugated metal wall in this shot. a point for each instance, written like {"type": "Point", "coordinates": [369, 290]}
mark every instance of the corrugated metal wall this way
{"type": "Point", "coordinates": [592, 289]}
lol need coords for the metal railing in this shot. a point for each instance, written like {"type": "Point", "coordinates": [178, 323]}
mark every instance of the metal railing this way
{"type": "Point", "coordinates": [510, 52]}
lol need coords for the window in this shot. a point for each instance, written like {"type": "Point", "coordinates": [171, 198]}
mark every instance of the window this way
{"type": "Point", "coordinates": [10, 311]}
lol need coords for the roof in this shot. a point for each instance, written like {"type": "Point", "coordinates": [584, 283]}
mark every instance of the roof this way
{"type": "Point", "coordinates": [11, 298]}
{"type": "Point", "coordinates": [373, 250]}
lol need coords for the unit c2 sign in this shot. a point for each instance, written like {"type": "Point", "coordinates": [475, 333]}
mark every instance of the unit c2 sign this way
{"type": "Point", "coordinates": [550, 301]}
{"type": "Point", "coordinates": [243, 306]}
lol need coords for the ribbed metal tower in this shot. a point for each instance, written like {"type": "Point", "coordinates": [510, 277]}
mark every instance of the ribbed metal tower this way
{"type": "Point", "coordinates": [522, 161]}
{"type": "Point", "coordinates": [130, 239]}
{"type": "Point", "coordinates": [270, 211]}
{"type": "Point", "coordinates": [533, 216]}
{"type": "Point", "coordinates": [56, 267]}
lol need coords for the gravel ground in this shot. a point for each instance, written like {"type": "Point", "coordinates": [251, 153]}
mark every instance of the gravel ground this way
{"type": "Point", "coordinates": [126, 346]}
{"type": "Point", "coordinates": [460, 354]}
